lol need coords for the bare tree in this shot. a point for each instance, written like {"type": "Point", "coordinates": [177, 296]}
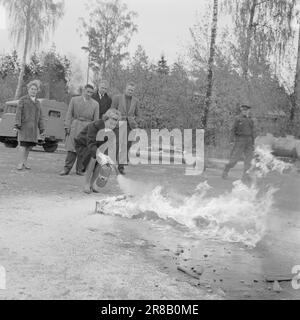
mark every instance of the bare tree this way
{"type": "Point", "coordinates": [262, 28]}
{"type": "Point", "coordinates": [295, 105]}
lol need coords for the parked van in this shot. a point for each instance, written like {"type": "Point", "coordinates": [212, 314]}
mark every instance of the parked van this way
{"type": "Point", "coordinates": [54, 113]}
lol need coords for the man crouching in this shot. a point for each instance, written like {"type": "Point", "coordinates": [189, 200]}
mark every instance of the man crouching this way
{"type": "Point", "coordinates": [86, 145]}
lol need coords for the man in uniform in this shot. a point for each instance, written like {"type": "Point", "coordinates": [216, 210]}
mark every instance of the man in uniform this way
{"type": "Point", "coordinates": [102, 98]}
{"type": "Point", "coordinates": [242, 136]}
{"type": "Point", "coordinates": [82, 111]}
{"type": "Point", "coordinates": [127, 104]}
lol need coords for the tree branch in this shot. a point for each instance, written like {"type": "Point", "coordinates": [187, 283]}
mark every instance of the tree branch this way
{"type": "Point", "coordinates": [259, 3]}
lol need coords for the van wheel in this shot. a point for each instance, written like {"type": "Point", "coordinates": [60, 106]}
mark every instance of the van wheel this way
{"type": "Point", "coordinates": [11, 144]}
{"type": "Point", "coordinates": [50, 148]}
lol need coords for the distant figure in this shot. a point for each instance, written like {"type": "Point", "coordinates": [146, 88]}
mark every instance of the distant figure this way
{"type": "Point", "coordinates": [242, 136]}
{"type": "Point", "coordinates": [82, 111]}
{"type": "Point", "coordinates": [87, 145]}
{"type": "Point", "coordinates": [29, 120]}
{"type": "Point", "coordinates": [127, 104]}
{"type": "Point", "coordinates": [103, 99]}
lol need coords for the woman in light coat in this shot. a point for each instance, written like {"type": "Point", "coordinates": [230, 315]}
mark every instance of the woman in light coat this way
{"type": "Point", "coordinates": [29, 120]}
{"type": "Point", "coordinates": [82, 111]}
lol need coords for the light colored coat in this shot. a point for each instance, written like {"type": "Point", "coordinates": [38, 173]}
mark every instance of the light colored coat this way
{"type": "Point", "coordinates": [29, 119]}
{"type": "Point", "coordinates": [81, 112]}
{"type": "Point", "coordinates": [119, 103]}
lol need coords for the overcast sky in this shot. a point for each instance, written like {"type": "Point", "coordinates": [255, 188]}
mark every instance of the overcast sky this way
{"type": "Point", "coordinates": [162, 27]}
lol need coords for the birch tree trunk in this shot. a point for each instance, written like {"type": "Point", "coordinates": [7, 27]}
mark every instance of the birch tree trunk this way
{"type": "Point", "coordinates": [211, 64]}
{"type": "Point", "coordinates": [246, 54]}
{"type": "Point", "coordinates": [22, 71]}
{"type": "Point", "coordinates": [295, 110]}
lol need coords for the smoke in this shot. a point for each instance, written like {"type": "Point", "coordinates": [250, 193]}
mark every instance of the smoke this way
{"type": "Point", "coordinates": [134, 188]}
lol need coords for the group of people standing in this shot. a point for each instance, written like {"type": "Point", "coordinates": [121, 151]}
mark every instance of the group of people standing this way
{"type": "Point", "coordinates": [86, 116]}
{"type": "Point", "coordinates": [92, 106]}
{"type": "Point", "coordinates": [96, 110]}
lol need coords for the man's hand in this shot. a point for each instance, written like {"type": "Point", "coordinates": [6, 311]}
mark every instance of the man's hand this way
{"type": "Point", "coordinates": [132, 122]}
{"type": "Point", "coordinates": [17, 128]}
{"type": "Point", "coordinates": [43, 135]}
{"type": "Point", "coordinates": [104, 159]}
{"type": "Point", "coordinates": [109, 161]}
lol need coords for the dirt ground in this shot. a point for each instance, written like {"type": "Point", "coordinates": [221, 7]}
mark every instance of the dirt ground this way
{"type": "Point", "coordinates": [54, 246]}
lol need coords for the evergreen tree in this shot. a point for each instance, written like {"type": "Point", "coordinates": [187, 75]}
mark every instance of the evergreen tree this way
{"type": "Point", "coordinates": [162, 67]}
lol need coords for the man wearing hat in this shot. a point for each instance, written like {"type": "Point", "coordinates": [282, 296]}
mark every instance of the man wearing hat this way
{"type": "Point", "coordinates": [242, 135]}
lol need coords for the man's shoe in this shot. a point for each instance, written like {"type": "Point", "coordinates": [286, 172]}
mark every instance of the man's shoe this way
{"type": "Point", "coordinates": [87, 190]}
{"type": "Point", "coordinates": [64, 173]}
{"type": "Point", "coordinates": [121, 170]}
{"type": "Point", "coordinates": [20, 167]}
{"type": "Point", "coordinates": [79, 173]}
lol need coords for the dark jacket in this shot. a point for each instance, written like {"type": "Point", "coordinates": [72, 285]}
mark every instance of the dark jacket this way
{"type": "Point", "coordinates": [104, 103]}
{"type": "Point", "coordinates": [87, 137]}
{"type": "Point", "coordinates": [243, 127]}
{"type": "Point", "coordinates": [86, 144]}
{"type": "Point", "coordinates": [29, 119]}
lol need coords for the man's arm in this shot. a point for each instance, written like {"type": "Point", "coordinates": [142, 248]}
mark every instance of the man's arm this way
{"type": "Point", "coordinates": [69, 116]}
{"type": "Point", "coordinates": [137, 111]}
{"type": "Point", "coordinates": [92, 132]}
{"type": "Point", "coordinates": [137, 114]}
{"type": "Point", "coordinates": [91, 139]}
{"type": "Point", "coordinates": [96, 112]}
{"type": "Point", "coordinates": [233, 131]}
{"type": "Point", "coordinates": [109, 102]}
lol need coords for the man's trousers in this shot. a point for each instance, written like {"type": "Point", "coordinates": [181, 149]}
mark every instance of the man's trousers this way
{"type": "Point", "coordinates": [243, 148]}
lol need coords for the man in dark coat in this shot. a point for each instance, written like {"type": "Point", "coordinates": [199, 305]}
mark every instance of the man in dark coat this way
{"type": "Point", "coordinates": [86, 145]}
{"type": "Point", "coordinates": [243, 137]}
{"type": "Point", "coordinates": [102, 98]}
{"type": "Point", "coordinates": [127, 104]}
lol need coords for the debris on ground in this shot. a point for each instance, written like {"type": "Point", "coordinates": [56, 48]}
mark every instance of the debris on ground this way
{"type": "Point", "coordinates": [279, 278]}
{"type": "Point", "coordinates": [221, 292]}
{"type": "Point", "coordinates": [277, 287]}
{"type": "Point", "coordinates": [191, 273]}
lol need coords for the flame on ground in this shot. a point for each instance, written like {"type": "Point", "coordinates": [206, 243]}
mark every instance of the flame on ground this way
{"type": "Point", "coordinates": [236, 216]}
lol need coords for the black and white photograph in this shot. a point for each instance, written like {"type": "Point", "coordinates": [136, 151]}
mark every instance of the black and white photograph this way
{"type": "Point", "coordinates": [149, 151]}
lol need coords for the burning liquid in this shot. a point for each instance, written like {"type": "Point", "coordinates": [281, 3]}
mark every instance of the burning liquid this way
{"type": "Point", "coordinates": [236, 216]}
